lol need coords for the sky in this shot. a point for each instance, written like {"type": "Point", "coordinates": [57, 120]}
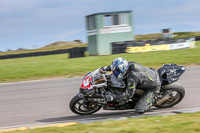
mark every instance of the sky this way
{"type": "Point", "coordinates": [33, 24]}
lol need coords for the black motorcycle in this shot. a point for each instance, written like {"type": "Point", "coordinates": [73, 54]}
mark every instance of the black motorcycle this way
{"type": "Point", "coordinates": [91, 97]}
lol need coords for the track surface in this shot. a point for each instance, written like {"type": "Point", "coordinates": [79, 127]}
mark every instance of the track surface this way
{"type": "Point", "coordinates": [44, 101]}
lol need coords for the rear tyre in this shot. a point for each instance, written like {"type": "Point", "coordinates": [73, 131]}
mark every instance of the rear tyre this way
{"type": "Point", "coordinates": [178, 92]}
{"type": "Point", "coordinates": [82, 106]}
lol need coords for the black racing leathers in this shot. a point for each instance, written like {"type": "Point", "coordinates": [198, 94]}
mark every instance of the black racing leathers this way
{"type": "Point", "coordinates": [141, 77]}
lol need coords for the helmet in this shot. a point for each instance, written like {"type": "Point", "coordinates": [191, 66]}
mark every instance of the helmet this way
{"type": "Point", "coordinates": [119, 67]}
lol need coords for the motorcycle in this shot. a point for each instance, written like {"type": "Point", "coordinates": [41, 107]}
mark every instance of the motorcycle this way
{"type": "Point", "coordinates": [91, 96]}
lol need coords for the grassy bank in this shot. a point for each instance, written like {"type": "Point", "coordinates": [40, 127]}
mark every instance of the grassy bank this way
{"type": "Point", "coordinates": [159, 35]}
{"type": "Point", "coordinates": [60, 66]}
{"type": "Point", "coordinates": [182, 123]}
{"type": "Point", "coordinates": [55, 46]}
{"type": "Point", "coordinates": [44, 49]}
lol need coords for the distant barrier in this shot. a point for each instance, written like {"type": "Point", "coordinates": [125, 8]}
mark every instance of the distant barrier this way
{"type": "Point", "coordinates": [119, 47]}
{"type": "Point", "coordinates": [197, 38]}
{"type": "Point", "coordinates": [74, 53]}
{"type": "Point", "coordinates": [152, 45]}
{"type": "Point", "coordinates": [77, 52]}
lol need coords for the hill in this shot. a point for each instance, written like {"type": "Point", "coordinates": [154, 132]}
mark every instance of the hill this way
{"type": "Point", "coordinates": [63, 43]}
{"type": "Point", "coordinates": [49, 47]}
{"type": "Point", "coordinates": [77, 43]}
{"type": "Point", "coordinates": [159, 35]}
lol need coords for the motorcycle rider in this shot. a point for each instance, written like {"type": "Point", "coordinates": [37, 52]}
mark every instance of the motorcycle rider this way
{"type": "Point", "coordinates": [135, 76]}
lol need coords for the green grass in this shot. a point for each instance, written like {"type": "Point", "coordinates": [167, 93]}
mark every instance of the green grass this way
{"type": "Point", "coordinates": [182, 123]}
{"type": "Point", "coordinates": [159, 35]}
{"type": "Point", "coordinates": [138, 37]}
{"type": "Point", "coordinates": [186, 34]}
{"type": "Point", "coordinates": [148, 36]}
{"type": "Point", "coordinates": [44, 49]}
{"type": "Point", "coordinates": [60, 66]}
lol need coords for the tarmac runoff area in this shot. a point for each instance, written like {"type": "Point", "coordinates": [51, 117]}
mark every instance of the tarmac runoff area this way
{"type": "Point", "coordinates": [44, 103]}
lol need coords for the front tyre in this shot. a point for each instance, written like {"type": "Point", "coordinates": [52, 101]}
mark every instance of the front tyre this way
{"type": "Point", "coordinates": [82, 106]}
{"type": "Point", "coordinates": [177, 91]}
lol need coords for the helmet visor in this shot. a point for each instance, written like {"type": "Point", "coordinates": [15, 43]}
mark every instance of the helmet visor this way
{"type": "Point", "coordinates": [116, 72]}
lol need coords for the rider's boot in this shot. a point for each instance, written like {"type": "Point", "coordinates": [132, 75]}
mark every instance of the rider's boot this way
{"type": "Point", "coordinates": [145, 102]}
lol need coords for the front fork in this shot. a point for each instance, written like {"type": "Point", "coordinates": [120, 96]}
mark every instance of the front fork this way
{"type": "Point", "coordinates": [81, 95]}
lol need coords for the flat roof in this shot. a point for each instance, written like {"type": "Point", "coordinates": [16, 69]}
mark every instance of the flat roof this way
{"type": "Point", "coordinates": [115, 12]}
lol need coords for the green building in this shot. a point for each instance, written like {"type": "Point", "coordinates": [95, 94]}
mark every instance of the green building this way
{"type": "Point", "coordinates": [105, 28]}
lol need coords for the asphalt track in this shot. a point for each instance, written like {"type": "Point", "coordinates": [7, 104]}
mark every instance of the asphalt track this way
{"type": "Point", "coordinates": [46, 101]}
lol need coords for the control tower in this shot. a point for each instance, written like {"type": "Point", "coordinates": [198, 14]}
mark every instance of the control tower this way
{"type": "Point", "coordinates": [107, 27]}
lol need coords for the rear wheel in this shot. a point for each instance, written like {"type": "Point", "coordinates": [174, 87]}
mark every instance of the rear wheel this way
{"type": "Point", "coordinates": [82, 106]}
{"type": "Point", "coordinates": [177, 93]}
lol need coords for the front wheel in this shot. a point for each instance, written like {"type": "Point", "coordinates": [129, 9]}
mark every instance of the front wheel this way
{"type": "Point", "coordinates": [82, 106]}
{"type": "Point", "coordinates": [177, 93]}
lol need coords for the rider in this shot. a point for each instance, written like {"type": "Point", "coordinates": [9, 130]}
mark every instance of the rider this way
{"type": "Point", "coordinates": [136, 76]}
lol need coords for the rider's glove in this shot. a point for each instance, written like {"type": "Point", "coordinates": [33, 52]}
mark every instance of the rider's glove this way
{"type": "Point", "coordinates": [103, 69]}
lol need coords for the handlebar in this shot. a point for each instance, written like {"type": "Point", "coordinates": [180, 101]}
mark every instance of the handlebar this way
{"type": "Point", "coordinates": [105, 78]}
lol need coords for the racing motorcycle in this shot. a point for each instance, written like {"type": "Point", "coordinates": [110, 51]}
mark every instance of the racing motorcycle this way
{"type": "Point", "coordinates": [91, 96]}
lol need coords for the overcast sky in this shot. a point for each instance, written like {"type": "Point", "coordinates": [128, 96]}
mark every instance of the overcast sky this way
{"type": "Point", "coordinates": [36, 23]}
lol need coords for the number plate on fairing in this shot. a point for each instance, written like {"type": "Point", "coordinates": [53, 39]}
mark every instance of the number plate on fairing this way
{"type": "Point", "coordinates": [86, 84]}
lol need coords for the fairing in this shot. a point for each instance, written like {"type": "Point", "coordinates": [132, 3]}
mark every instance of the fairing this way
{"type": "Point", "coordinates": [170, 73]}
{"type": "Point", "coordinates": [93, 78]}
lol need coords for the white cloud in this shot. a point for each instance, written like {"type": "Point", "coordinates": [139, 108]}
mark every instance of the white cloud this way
{"type": "Point", "coordinates": [64, 19]}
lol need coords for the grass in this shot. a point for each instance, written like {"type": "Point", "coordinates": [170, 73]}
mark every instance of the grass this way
{"type": "Point", "coordinates": [44, 49]}
{"type": "Point", "coordinates": [51, 66]}
{"type": "Point", "coordinates": [138, 37]}
{"type": "Point", "coordinates": [159, 35]}
{"type": "Point", "coordinates": [182, 123]}
{"type": "Point", "coordinates": [148, 36]}
{"type": "Point", "coordinates": [186, 34]}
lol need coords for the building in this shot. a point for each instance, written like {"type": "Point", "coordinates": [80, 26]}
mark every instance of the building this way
{"type": "Point", "coordinates": [105, 28]}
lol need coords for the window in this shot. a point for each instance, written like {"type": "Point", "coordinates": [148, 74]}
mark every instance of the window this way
{"type": "Point", "coordinates": [107, 20]}
{"type": "Point", "coordinates": [124, 18]}
{"type": "Point", "coordinates": [116, 19]}
{"type": "Point", "coordinates": [91, 23]}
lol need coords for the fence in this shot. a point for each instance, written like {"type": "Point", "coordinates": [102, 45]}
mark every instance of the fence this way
{"type": "Point", "coordinates": [118, 47]}
{"type": "Point", "coordinates": [152, 45]}
{"type": "Point", "coordinates": [74, 53]}
{"type": "Point", "coordinates": [77, 52]}
{"type": "Point", "coordinates": [197, 38]}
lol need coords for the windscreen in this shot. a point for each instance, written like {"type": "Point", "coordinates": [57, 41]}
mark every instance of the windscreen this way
{"type": "Point", "coordinates": [97, 77]}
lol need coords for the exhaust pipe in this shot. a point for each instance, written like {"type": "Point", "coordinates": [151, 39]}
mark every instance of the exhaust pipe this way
{"type": "Point", "coordinates": [164, 98]}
